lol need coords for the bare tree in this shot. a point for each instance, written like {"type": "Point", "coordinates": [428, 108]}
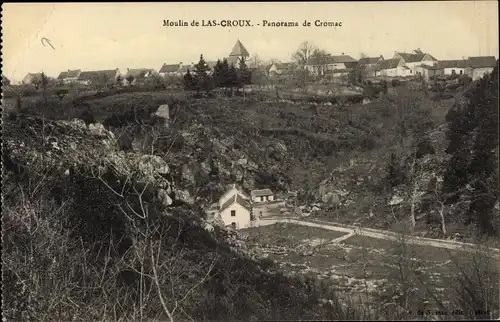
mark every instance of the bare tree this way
{"type": "Point", "coordinates": [304, 52]}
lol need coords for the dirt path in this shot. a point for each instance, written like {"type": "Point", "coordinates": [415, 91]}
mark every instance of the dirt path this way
{"type": "Point", "coordinates": [377, 233]}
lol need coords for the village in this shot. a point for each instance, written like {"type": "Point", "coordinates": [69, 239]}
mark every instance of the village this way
{"type": "Point", "coordinates": [319, 66]}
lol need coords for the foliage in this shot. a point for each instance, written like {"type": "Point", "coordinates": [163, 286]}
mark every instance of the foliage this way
{"type": "Point", "coordinates": [189, 81]}
{"type": "Point", "coordinates": [471, 176]}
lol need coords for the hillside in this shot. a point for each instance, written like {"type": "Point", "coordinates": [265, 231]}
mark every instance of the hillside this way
{"type": "Point", "coordinates": [106, 184]}
{"type": "Point", "coordinates": [353, 159]}
{"type": "Point", "coordinates": [76, 207]}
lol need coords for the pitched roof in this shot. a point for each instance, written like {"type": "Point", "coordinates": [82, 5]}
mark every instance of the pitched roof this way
{"type": "Point", "coordinates": [138, 73]}
{"type": "Point", "coordinates": [414, 58]}
{"type": "Point", "coordinates": [34, 75]}
{"type": "Point", "coordinates": [239, 50]}
{"type": "Point", "coordinates": [171, 68]}
{"type": "Point", "coordinates": [456, 63]}
{"type": "Point", "coordinates": [69, 74]}
{"type": "Point", "coordinates": [236, 199]}
{"type": "Point", "coordinates": [431, 67]}
{"type": "Point", "coordinates": [95, 74]}
{"type": "Point", "coordinates": [411, 58]}
{"type": "Point", "coordinates": [389, 63]}
{"type": "Point", "coordinates": [261, 192]}
{"type": "Point", "coordinates": [481, 62]}
{"type": "Point", "coordinates": [240, 190]}
{"type": "Point", "coordinates": [329, 59]}
{"type": "Point", "coordinates": [184, 69]}
{"type": "Point", "coordinates": [369, 60]}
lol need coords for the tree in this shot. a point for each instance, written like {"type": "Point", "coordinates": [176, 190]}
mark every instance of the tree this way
{"type": "Point", "coordinates": [232, 77]}
{"type": "Point", "coordinates": [244, 73]}
{"type": "Point", "coordinates": [304, 52]}
{"type": "Point", "coordinates": [220, 73]}
{"type": "Point", "coordinates": [188, 81]}
{"type": "Point", "coordinates": [471, 177]}
{"type": "Point", "coordinates": [201, 70]}
{"type": "Point", "coordinates": [130, 79]}
{"type": "Point", "coordinates": [44, 81]}
{"type": "Point", "coordinates": [358, 75]}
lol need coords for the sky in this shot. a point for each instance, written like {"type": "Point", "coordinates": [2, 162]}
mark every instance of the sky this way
{"type": "Point", "coordinates": [93, 36]}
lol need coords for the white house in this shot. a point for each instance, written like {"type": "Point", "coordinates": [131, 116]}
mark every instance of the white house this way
{"type": "Point", "coordinates": [280, 68]}
{"type": "Point", "coordinates": [450, 67]}
{"type": "Point", "coordinates": [170, 69]}
{"type": "Point", "coordinates": [414, 60]}
{"type": "Point", "coordinates": [70, 76]}
{"type": "Point", "coordinates": [321, 65]}
{"type": "Point", "coordinates": [477, 67]}
{"type": "Point", "coordinates": [236, 212]}
{"type": "Point", "coordinates": [394, 68]}
{"type": "Point", "coordinates": [233, 190]}
{"type": "Point", "coordinates": [262, 195]}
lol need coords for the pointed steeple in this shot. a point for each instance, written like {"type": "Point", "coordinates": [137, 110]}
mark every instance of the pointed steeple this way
{"type": "Point", "coordinates": [239, 50]}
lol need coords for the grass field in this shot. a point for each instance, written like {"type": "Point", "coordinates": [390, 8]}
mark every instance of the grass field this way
{"type": "Point", "coordinates": [290, 235]}
{"type": "Point", "coordinates": [363, 266]}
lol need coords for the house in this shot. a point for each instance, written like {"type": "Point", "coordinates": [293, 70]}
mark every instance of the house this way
{"type": "Point", "coordinates": [429, 72]}
{"type": "Point", "coordinates": [262, 195]}
{"type": "Point", "coordinates": [233, 190]}
{"type": "Point", "coordinates": [450, 67]}
{"type": "Point", "coordinates": [371, 65]}
{"type": "Point", "coordinates": [477, 67]}
{"type": "Point", "coordinates": [70, 76]}
{"type": "Point", "coordinates": [170, 70]}
{"type": "Point", "coordinates": [236, 212]}
{"type": "Point", "coordinates": [32, 78]}
{"type": "Point", "coordinates": [327, 64]}
{"type": "Point", "coordinates": [139, 75]}
{"type": "Point", "coordinates": [278, 68]}
{"type": "Point", "coordinates": [99, 77]}
{"type": "Point", "coordinates": [394, 68]}
{"type": "Point", "coordinates": [414, 60]}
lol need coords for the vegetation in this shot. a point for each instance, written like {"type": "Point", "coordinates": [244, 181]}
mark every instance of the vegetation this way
{"type": "Point", "coordinates": [90, 234]}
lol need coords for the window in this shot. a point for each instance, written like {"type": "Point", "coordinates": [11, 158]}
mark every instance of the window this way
{"type": "Point", "coordinates": [233, 213]}
{"type": "Point", "coordinates": [461, 72]}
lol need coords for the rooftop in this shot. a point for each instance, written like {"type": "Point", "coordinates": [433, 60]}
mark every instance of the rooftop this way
{"type": "Point", "coordinates": [261, 192]}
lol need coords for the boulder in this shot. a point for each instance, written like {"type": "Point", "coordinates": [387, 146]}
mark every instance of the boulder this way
{"type": "Point", "coordinates": [164, 198]}
{"type": "Point", "coordinates": [150, 165]}
{"type": "Point", "coordinates": [395, 200]}
{"type": "Point", "coordinates": [330, 198]}
{"type": "Point", "coordinates": [163, 112]}
{"type": "Point", "coordinates": [188, 174]}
